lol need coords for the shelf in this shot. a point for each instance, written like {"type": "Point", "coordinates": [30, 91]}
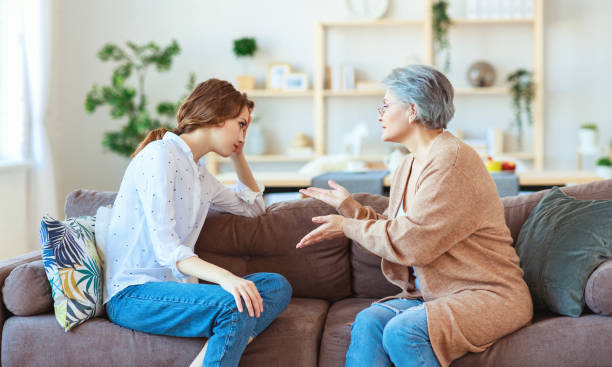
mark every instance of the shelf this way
{"type": "Point", "coordinates": [380, 92]}
{"type": "Point", "coordinates": [274, 158]}
{"type": "Point", "coordinates": [482, 91]}
{"type": "Point", "coordinates": [373, 23]}
{"type": "Point", "coordinates": [353, 93]}
{"type": "Point", "coordinates": [277, 93]}
{"type": "Point", "coordinates": [531, 178]}
{"type": "Point", "coordinates": [496, 21]}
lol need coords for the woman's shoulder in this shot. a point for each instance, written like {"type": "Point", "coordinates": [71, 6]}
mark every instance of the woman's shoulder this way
{"type": "Point", "coordinates": [450, 152]}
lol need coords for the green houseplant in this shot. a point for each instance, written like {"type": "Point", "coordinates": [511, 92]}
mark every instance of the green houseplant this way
{"type": "Point", "coordinates": [603, 167]}
{"type": "Point", "coordinates": [441, 23]}
{"type": "Point", "coordinates": [130, 102]}
{"type": "Point", "coordinates": [522, 92]}
{"type": "Point", "coordinates": [245, 48]}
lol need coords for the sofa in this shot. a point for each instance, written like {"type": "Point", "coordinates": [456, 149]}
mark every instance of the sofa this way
{"type": "Point", "coordinates": [332, 282]}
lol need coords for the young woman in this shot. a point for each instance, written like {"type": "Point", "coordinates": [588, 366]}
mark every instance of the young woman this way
{"type": "Point", "coordinates": [443, 239]}
{"type": "Point", "coordinates": [151, 270]}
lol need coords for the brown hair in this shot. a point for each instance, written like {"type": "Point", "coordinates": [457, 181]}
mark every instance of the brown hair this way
{"type": "Point", "coordinates": [209, 104]}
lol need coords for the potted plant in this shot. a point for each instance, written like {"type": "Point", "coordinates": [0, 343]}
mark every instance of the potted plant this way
{"type": "Point", "coordinates": [603, 168]}
{"type": "Point", "coordinates": [522, 91]}
{"type": "Point", "coordinates": [587, 138]}
{"type": "Point", "coordinates": [245, 48]}
{"type": "Point", "coordinates": [127, 101]}
{"type": "Point", "coordinates": [441, 22]}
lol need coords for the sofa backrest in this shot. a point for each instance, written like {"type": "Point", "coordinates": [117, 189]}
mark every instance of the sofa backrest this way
{"type": "Point", "coordinates": [518, 208]}
{"type": "Point", "coordinates": [262, 244]}
{"type": "Point", "coordinates": [332, 270]}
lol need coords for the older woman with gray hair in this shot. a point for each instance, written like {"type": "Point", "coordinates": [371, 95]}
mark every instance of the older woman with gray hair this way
{"type": "Point", "coordinates": [443, 239]}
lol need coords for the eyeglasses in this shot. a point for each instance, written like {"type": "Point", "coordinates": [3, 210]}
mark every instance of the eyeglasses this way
{"type": "Point", "coordinates": [382, 108]}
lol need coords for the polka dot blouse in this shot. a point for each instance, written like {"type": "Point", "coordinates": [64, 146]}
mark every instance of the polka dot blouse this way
{"type": "Point", "coordinates": [159, 211]}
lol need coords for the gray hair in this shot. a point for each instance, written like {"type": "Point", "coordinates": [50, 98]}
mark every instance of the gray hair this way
{"type": "Point", "coordinates": [428, 89]}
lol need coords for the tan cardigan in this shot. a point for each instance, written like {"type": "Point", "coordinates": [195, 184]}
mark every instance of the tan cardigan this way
{"type": "Point", "coordinates": [455, 237]}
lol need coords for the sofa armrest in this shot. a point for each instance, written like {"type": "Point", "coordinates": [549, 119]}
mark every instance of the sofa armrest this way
{"type": "Point", "coordinates": [6, 267]}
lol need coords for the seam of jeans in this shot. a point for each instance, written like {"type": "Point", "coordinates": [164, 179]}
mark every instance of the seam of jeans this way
{"type": "Point", "coordinates": [198, 302]}
{"type": "Point", "coordinates": [233, 334]}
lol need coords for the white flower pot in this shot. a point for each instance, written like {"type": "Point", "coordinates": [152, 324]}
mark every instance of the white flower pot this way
{"type": "Point", "coordinates": [604, 171]}
{"type": "Point", "coordinates": [587, 141]}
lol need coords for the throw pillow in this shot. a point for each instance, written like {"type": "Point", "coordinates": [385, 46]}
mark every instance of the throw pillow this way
{"type": "Point", "coordinates": [560, 244]}
{"type": "Point", "coordinates": [73, 267]}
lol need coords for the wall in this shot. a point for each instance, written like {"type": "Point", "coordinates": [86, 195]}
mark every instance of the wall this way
{"type": "Point", "coordinates": [14, 240]}
{"type": "Point", "coordinates": [576, 58]}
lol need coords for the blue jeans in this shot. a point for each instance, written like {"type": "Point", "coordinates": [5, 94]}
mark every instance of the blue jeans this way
{"type": "Point", "coordinates": [200, 310]}
{"type": "Point", "coordinates": [391, 332]}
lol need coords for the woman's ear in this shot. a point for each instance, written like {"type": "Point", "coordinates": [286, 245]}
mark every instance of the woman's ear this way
{"type": "Point", "coordinates": [412, 113]}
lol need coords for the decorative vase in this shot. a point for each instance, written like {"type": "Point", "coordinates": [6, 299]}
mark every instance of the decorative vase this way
{"type": "Point", "coordinates": [481, 74]}
{"type": "Point", "coordinates": [587, 139]}
{"type": "Point", "coordinates": [256, 140]}
{"type": "Point", "coordinates": [245, 82]}
{"type": "Point", "coordinates": [604, 172]}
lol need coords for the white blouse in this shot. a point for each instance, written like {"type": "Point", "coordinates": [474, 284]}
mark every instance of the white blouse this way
{"type": "Point", "coordinates": [159, 211]}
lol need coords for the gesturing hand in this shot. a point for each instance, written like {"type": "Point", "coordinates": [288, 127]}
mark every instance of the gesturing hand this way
{"type": "Point", "coordinates": [245, 289]}
{"type": "Point", "coordinates": [331, 227]}
{"type": "Point", "coordinates": [333, 197]}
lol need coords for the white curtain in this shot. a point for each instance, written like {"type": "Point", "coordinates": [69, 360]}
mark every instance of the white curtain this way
{"type": "Point", "coordinates": [37, 67]}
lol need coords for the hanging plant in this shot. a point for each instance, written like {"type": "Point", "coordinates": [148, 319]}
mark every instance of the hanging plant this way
{"type": "Point", "coordinates": [522, 90]}
{"type": "Point", "coordinates": [441, 23]}
{"type": "Point", "coordinates": [130, 102]}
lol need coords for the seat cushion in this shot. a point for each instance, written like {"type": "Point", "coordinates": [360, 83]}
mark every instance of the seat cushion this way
{"type": "Point", "coordinates": [337, 332]}
{"type": "Point", "coordinates": [550, 341]}
{"type": "Point", "coordinates": [291, 340]}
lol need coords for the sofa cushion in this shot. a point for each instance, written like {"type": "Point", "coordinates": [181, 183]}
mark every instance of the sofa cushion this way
{"type": "Point", "coordinates": [598, 292]}
{"type": "Point", "coordinates": [73, 267]}
{"type": "Point", "coordinates": [560, 244]}
{"type": "Point", "coordinates": [291, 340]}
{"type": "Point", "coordinates": [26, 290]}
{"type": "Point", "coordinates": [86, 202]}
{"type": "Point", "coordinates": [367, 279]}
{"type": "Point", "coordinates": [337, 332]}
{"type": "Point", "coordinates": [548, 342]}
{"type": "Point", "coordinates": [518, 208]}
{"type": "Point", "coordinates": [267, 243]}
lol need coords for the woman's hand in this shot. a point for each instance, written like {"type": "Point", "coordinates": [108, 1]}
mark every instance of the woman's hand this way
{"type": "Point", "coordinates": [333, 197]}
{"type": "Point", "coordinates": [245, 289]}
{"type": "Point", "coordinates": [331, 227]}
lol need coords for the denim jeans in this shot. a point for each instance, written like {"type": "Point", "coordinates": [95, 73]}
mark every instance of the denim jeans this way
{"type": "Point", "coordinates": [391, 332]}
{"type": "Point", "coordinates": [200, 310]}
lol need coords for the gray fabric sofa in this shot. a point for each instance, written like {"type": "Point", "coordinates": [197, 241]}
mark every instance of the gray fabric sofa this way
{"type": "Point", "coordinates": [332, 281]}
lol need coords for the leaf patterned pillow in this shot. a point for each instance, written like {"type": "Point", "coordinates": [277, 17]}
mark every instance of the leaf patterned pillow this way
{"type": "Point", "coordinates": [73, 267]}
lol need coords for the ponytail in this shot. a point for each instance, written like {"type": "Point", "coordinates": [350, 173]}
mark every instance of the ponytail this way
{"type": "Point", "coordinates": [153, 135]}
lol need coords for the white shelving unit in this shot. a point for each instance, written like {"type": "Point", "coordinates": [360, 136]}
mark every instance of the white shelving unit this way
{"type": "Point", "coordinates": [320, 95]}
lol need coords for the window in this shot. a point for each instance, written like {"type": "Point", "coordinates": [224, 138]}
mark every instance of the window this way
{"type": "Point", "coordinates": [12, 77]}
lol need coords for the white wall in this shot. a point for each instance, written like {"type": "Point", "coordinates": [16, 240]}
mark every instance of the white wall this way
{"type": "Point", "coordinates": [14, 239]}
{"type": "Point", "coordinates": [576, 53]}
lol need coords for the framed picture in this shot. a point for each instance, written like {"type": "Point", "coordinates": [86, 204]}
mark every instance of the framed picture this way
{"type": "Point", "coordinates": [295, 82]}
{"type": "Point", "coordinates": [276, 75]}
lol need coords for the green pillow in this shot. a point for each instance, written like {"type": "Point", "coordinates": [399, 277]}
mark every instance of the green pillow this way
{"type": "Point", "coordinates": [560, 245]}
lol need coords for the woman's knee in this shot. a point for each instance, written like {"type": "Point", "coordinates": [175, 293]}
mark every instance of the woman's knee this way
{"type": "Point", "coordinates": [368, 319]}
{"type": "Point", "coordinates": [402, 331]}
{"type": "Point", "coordinates": [273, 287]}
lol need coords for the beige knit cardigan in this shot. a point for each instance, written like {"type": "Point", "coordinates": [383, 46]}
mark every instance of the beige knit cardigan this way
{"type": "Point", "coordinates": [455, 237]}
